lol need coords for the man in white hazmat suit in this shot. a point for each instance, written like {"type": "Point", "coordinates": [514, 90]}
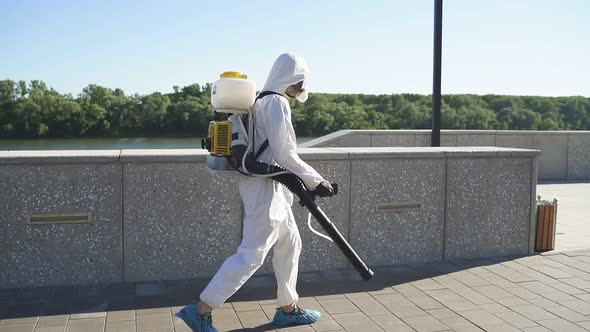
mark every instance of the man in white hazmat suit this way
{"type": "Point", "coordinates": [268, 220]}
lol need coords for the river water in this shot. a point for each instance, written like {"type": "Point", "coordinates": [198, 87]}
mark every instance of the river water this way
{"type": "Point", "coordinates": [107, 143]}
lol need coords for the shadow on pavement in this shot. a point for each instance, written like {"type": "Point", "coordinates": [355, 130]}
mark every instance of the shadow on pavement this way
{"type": "Point", "coordinates": [261, 328]}
{"type": "Point", "coordinates": [59, 300]}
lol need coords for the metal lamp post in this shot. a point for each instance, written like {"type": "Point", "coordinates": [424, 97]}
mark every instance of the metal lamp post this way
{"type": "Point", "coordinates": [436, 76]}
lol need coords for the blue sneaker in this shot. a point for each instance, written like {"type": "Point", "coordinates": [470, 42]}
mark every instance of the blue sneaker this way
{"type": "Point", "coordinates": [197, 323]}
{"type": "Point", "coordinates": [297, 317]}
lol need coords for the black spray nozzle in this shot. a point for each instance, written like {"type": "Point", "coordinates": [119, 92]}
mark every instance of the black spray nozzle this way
{"type": "Point", "coordinates": [297, 187]}
{"type": "Point", "coordinates": [367, 274]}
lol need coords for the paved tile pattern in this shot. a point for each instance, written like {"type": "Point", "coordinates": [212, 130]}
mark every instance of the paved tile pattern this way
{"type": "Point", "coordinates": [546, 292]}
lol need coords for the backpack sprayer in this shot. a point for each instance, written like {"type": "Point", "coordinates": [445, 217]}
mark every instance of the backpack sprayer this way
{"type": "Point", "coordinates": [231, 151]}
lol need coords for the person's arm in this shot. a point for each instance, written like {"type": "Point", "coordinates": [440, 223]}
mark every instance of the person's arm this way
{"type": "Point", "coordinates": [283, 143]}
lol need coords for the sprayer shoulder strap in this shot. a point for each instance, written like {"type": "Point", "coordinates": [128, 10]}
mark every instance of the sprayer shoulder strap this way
{"type": "Point", "coordinates": [265, 143]}
{"type": "Point", "coordinates": [266, 93]}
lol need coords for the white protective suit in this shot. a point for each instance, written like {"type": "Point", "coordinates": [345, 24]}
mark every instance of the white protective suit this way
{"type": "Point", "coordinates": [268, 219]}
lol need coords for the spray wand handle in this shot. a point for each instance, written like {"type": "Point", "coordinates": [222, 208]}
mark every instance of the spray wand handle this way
{"type": "Point", "coordinates": [314, 193]}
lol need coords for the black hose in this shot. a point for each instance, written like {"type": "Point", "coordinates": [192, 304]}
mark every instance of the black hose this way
{"type": "Point", "coordinates": [307, 199]}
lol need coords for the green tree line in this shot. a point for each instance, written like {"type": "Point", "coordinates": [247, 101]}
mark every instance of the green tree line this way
{"type": "Point", "coordinates": [29, 110]}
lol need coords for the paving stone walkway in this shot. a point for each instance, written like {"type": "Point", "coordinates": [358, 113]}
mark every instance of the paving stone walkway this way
{"type": "Point", "coordinates": [548, 292]}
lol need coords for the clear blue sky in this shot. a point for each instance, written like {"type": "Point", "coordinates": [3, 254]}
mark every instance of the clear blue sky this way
{"type": "Point", "coordinates": [522, 47]}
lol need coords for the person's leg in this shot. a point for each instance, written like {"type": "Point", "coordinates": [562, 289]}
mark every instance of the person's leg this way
{"type": "Point", "coordinates": [285, 262]}
{"type": "Point", "coordinates": [259, 234]}
{"type": "Point", "coordinates": [259, 237]}
{"type": "Point", "coordinates": [261, 230]}
{"type": "Point", "coordinates": [286, 265]}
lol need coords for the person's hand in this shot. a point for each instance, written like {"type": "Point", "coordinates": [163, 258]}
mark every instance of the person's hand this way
{"type": "Point", "coordinates": [324, 189]}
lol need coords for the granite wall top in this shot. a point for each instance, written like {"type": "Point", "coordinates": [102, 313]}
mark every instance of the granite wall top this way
{"type": "Point", "coordinates": [341, 134]}
{"type": "Point", "coordinates": [200, 155]}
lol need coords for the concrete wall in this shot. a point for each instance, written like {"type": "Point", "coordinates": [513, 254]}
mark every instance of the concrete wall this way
{"type": "Point", "coordinates": [158, 214]}
{"type": "Point", "coordinates": [62, 254]}
{"type": "Point", "coordinates": [565, 155]}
